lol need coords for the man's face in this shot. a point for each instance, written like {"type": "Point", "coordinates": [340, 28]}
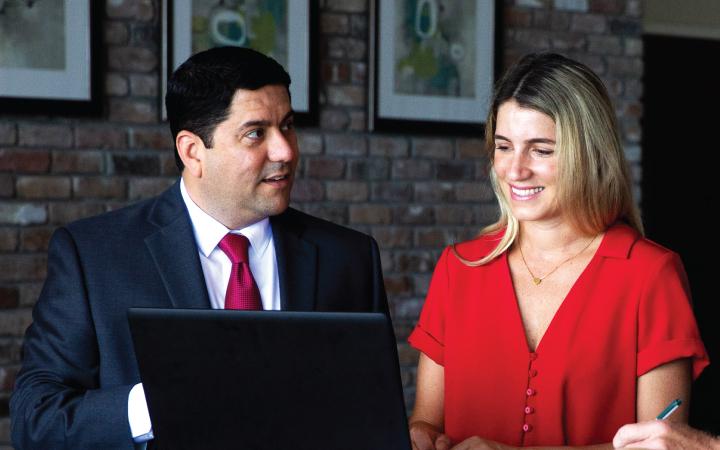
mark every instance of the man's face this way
{"type": "Point", "coordinates": [248, 173]}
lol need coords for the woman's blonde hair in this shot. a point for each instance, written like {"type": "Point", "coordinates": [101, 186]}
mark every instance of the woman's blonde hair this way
{"type": "Point", "coordinates": [594, 186]}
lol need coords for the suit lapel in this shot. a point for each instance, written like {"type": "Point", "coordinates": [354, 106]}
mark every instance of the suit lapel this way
{"type": "Point", "coordinates": [175, 253]}
{"type": "Point", "coordinates": [297, 265]}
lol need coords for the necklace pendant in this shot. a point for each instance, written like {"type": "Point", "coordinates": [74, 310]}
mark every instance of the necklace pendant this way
{"type": "Point", "coordinates": [537, 280]}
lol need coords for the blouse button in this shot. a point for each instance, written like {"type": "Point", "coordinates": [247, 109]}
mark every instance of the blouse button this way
{"type": "Point", "coordinates": [527, 428]}
{"type": "Point", "coordinates": [533, 373]}
{"type": "Point", "coordinates": [533, 356]}
{"type": "Point", "coordinates": [530, 392]}
{"type": "Point", "coordinates": [529, 410]}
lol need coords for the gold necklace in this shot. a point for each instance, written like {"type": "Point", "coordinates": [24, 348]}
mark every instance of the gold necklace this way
{"type": "Point", "coordinates": [538, 280]}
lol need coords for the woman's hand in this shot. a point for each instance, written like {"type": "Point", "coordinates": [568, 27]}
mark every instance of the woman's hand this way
{"type": "Point", "coordinates": [425, 436]}
{"type": "Point", "coordinates": [477, 443]}
{"type": "Point", "coordinates": [662, 435]}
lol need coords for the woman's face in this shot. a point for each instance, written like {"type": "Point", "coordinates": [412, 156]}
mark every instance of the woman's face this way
{"type": "Point", "coordinates": [525, 162]}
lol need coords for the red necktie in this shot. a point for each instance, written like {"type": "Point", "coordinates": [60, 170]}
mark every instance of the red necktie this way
{"type": "Point", "coordinates": [242, 292]}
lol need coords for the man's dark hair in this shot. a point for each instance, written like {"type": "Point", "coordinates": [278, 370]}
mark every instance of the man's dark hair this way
{"type": "Point", "coordinates": [200, 90]}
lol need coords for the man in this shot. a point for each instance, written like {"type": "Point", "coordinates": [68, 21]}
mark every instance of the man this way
{"type": "Point", "coordinates": [229, 111]}
{"type": "Point", "coordinates": [664, 435]}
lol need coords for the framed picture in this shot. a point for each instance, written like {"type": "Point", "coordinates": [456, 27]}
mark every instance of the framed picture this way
{"type": "Point", "coordinates": [434, 65]}
{"type": "Point", "coordinates": [49, 57]}
{"type": "Point", "coordinates": [282, 29]}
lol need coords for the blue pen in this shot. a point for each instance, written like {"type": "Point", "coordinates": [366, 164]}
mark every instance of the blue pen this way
{"type": "Point", "coordinates": [675, 404]}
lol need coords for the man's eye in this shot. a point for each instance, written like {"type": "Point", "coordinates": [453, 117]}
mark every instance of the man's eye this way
{"type": "Point", "coordinates": [256, 134]}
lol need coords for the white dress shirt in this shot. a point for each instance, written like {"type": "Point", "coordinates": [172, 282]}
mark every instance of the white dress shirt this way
{"type": "Point", "coordinates": [216, 268]}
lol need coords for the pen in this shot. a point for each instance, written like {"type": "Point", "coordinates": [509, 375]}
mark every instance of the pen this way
{"type": "Point", "coordinates": [675, 404]}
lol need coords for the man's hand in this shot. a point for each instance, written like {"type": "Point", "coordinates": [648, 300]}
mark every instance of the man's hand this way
{"type": "Point", "coordinates": [425, 436]}
{"type": "Point", "coordinates": [477, 443]}
{"type": "Point", "coordinates": [663, 435]}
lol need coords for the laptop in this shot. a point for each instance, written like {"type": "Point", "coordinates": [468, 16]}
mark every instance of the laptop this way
{"type": "Point", "coordinates": [270, 380]}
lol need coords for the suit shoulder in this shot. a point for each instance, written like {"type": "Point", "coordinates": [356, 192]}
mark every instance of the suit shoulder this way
{"type": "Point", "coordinates": [316, 227]}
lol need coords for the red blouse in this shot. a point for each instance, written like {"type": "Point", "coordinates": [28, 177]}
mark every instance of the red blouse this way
{"type": "Point", "coordinates": [628, 312]}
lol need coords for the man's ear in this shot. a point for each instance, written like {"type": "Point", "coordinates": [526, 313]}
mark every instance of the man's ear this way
{"type": "Point", "coordinates": [191, 150]}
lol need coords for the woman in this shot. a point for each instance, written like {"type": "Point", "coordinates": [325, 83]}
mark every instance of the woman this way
{"type": "Point", "coordinates": [560, 322]}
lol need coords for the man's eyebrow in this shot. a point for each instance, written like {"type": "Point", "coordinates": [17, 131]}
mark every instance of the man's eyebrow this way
{"type": "Point", "coordinates": [265, 123]}
{"type": "Point", "coordinates": [529, 141]}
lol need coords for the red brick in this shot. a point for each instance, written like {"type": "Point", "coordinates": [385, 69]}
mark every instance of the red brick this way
{"type": "Point", "coordinates": [116, 33]}
{"type": "Point", "coordinates": [388, 146]}
{"type": "Point", "coordinates": [97, 136]}
{"type": "Point", "coordinates": [392, 191]}
{"type": "Point", "coordinates": [77, 162]}
{"type": "Point", "coordinates": [369, 169]}
{"type": "Point", "coordinates": [7, 185]}
{"type": "Point", "coordinates": [345, 145]}
{"type": "Point", "coordinates": [66, 212]}
{"type": "Point", "coordinates": [141, 10]}
{"type": "Point", "coordinates": [414, 215]}
{"type": "Point", "coordinates": [29, 293]}
{"type": "Point", "coordinates": [39, 187]}
{"type": "Point", "coordinates": [336, 72]}
{"type": "Point", "coordinates": [454, 170]}
{"type": "Point", "coordinates": [132, 59]}
{"type": "Point", "coordinates": [8, 134]}
{"type": "Point", "coordinates": [393, 237]}
{"type": "Point", "coordinates": [334, 213]}
{"type": "Point", "coordinates": [589, 23]}
{"type": "Point", "coordinates": [570, 41]}
{"type": "Point", "coordinates": [8, 239]}
{"type": "Point", "coordinates": [609, 7]}
{"type": "Point", "coordinates": [398, 285]}
{"type": "Point", "coordinates": [605, 45]}
{"type": "Point", "coordinates": [135, 164]}
{"type": "Point", "coordinates": [370, 214]}
{"type": "Point", "coordinates": [35, 239]}
{"type": "Point", "coordinates": [45, 135]}
{"type": "Point", "coordinates": [358, 120]}
{"type": "Point", "coordinates": [414, 261]}
{"type": "Point", "coordinates": [99, 187]}
{"type": "Point", "coordinates": [144, 85]}
{"type": "Point", "coordinates": [325, 168]}
{"type": "Point", "coordinates": [517, 18]}
{"type": "Point", "coordinates": [307, 191]}
{"type": "Point", "coordinates": [624, 66]}
{"type": "Point", "coordinates": [22, 213]}
{"type": "Point", "coordinates": [485, 214]}
{"type": "Point", "coordinates": [334, 119]}
{"type": "Point", "coordinates": [441, 148]}
{"type": "Point", "coordinates": [345, 95]}
{"type": "Point", "coordinates": [309, 143]}
{"type": "Point", "coordinates": [411, 169]}
{"type": "Point", "coordinates": [474, 192]}
{"type": "Point", "coordinates": [352, 6]}
{"type": "Point", "coordinates": [9, 297]}
{"type": "Point", "coordinates": [147, 187]}
{"type": "Point", "coordinates": [358, 73]}
{"type": "Point", "coordinates": [432, 238]}
{"type": "Point", "coordinates": [152, 138]}
{"type": "Point", "coordinates": [21, 268]}
{"type": "Point", "coordinates": [347, 191]}
{"type": "Point", "coordinates": [116, 85]}
{"type": "Point", "coordinates": [168, 167]}
{"type": "Point", "coordinates": [346, 48]}
{"type": "Point", "coordinates": [434, 192]}
{"type": "Point", "coordinates": [134, 111]}
{"type": "Point", "coordinates": [334, 23]}
{"type": "Point", "coordinates": [454, 215]}
{"type": "Point", "coordinates": [471, 148]}
{"type": "Point", "coordinates": [532, 39]}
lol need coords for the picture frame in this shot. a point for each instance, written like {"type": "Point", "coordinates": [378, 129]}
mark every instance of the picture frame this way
{"type": "Point", "coordinates": [190, 26]}
{"type": "Point", "coordinates": [50, 58]}
{"type": "Point", "coordinates": [433, 69]}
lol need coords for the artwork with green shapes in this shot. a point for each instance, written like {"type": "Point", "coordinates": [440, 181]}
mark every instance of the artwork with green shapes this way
{"type": "Point", "coordinates": [258, 24]}
{"type": "Point", "coordinates": [434, 47]}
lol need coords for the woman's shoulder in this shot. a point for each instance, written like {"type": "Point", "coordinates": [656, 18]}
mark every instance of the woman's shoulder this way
{"type": "Point", "coordinates": [625, 241]}
{"type": "Point", "coordinates": [478, 247]}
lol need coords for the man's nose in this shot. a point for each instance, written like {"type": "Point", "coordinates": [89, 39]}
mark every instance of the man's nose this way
{"type": "Point", "coordinates": [282, 148]}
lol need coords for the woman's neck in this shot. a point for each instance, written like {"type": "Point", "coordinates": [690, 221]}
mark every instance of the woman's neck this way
{"type": "Point", "coordinates": [551, 238]}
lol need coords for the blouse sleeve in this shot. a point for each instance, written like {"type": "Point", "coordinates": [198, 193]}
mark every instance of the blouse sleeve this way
{"type": "Point", "coordinates": [429, 333]}
{"type": "Point", "coordinates": [667, 330]}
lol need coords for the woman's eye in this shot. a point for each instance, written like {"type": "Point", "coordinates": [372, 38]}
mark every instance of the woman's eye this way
{"type": "Point", "coordinates": [544, 152]}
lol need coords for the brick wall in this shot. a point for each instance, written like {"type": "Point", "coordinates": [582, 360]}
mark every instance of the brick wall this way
{"type": "Point", "coordinates": [414, 193]}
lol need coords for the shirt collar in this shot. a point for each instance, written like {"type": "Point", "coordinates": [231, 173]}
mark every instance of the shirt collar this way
{"type": "Point", "coordinates": [618, 241]}
{"type": "Point", "coordinates": [208, 231]}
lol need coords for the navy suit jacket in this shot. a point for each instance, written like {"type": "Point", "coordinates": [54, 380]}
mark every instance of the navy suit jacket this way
{"type": "Point", "coordinates": [79, 364]}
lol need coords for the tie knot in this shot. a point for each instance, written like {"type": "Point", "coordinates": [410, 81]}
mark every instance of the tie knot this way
{"type": "Point", "coordinates": [235, 247]}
